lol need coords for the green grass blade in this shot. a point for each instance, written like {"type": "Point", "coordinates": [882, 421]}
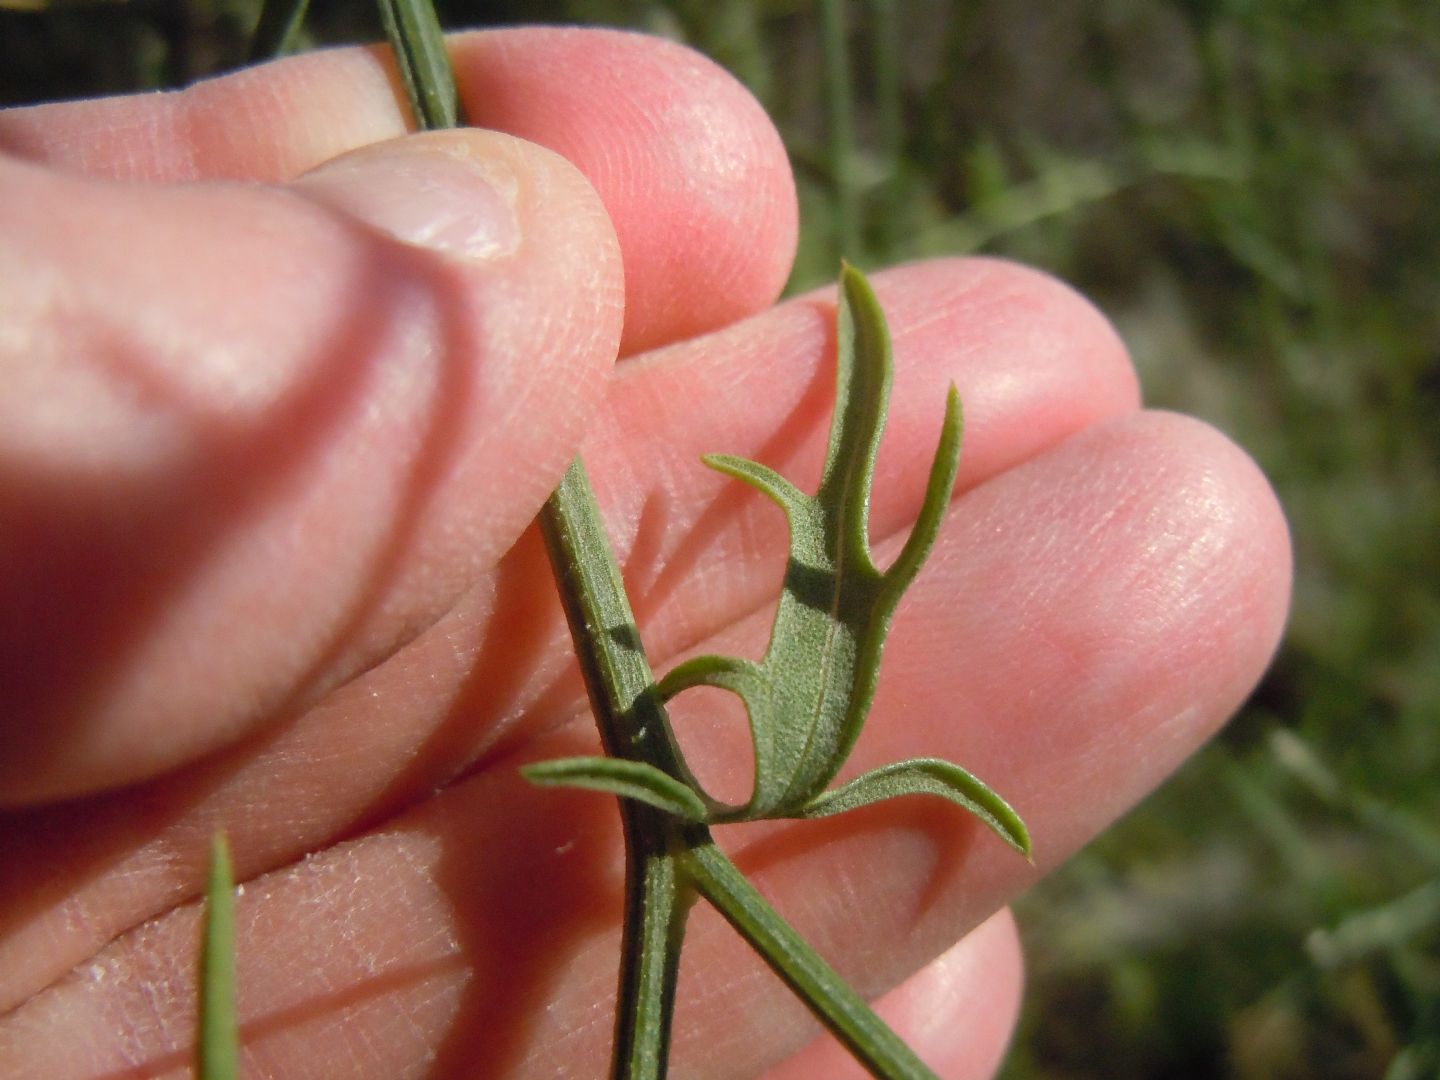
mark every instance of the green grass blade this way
{"type": "Point", "coordinates": [840, 125]}
{"type": "Point", "coordinates": [216, 1043]}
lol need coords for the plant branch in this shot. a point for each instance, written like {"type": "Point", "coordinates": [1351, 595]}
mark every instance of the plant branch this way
{"type": "Point", "coordinates": [633, 726]}
{"type": "Point", "coordinates": [669, 853]}
{"type": "Point", "coordinates": [837, 1006]}
{"type": "Point", "coordinates": [667, 861]}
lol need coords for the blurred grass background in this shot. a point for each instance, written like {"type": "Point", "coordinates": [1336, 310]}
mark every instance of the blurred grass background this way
{"type": "Point", "coordinates": [1251, 190]}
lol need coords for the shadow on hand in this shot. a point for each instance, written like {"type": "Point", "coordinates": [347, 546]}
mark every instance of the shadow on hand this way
{"type": "Point", "coordinates": [89, 565]}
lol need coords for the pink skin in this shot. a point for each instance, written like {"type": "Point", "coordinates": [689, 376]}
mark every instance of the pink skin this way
{"type": "Point", "coordinates": [344, 629]}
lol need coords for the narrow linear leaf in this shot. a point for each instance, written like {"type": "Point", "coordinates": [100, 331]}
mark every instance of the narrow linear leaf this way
{"type": "Point", "coordinates": [216, 1042]}
{"type": "Point", "coordinates": [419, 46]}
{"type": "Point", "coordinates": [943, 470]}
{"type": "Point", "coordinates": [926, 776]}
{"type": "Point", "coordinates": [834, 1002]}
{"type": "Point", "coordinates": [863, 371]}
{"type": "Point", "coordinates": [620, 777]}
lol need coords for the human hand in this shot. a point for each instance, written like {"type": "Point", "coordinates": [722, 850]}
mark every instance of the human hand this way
{"type": "Point", "coordinates": [267, 475]}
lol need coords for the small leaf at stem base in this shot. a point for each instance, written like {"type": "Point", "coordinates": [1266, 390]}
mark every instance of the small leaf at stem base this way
{"type": "Point", "coordinates": [618, 776]}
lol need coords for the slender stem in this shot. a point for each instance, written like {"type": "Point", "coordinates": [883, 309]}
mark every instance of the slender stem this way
{"type": "Point", "coordinates": [656, 905]}
{"type": "Point", "coordinates": [275, 32]}
{"type": "Point", "coordinates": [665, 860]}
{"type": "Point", "coordinates": [419, 46]}
{"type": "Point", "coordinates": [885, 34]}
{"type": "Point", "coordinates": [216, 1042]}
{"type": "Point", "coordinates": [612, 658]}
{"type": "Point", "coordinates": [632, 724]}
{"type": "Point", "coordinates": [840, 121]}
{"type": "Point", "coordinates": [889, 113]}
{"type": "Point", "coordinates": [617, 674]}
{"type": "Point", "coordinates": [828, 996]}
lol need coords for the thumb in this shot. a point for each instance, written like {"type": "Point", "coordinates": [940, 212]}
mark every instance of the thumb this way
{"type": "Point", "coordinates": [254, 438]}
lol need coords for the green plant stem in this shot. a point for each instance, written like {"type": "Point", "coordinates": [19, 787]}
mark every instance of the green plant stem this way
{"type": "Point", "coordinates": [887, 46]}
{"type": "Point", "coordinates": [419, 45]}
{"type": "Point", "coordinates": [837, 1006]}
{"type": "Point", "coordinates": [617, 673]}
{"type": "Point", "coordinates": [656, 906]}
{"type": "Point", "coordinates": [840, 124]}
{"type": "Point", "coordinates": [275, 33]}
{"type": "Point", "coordinates": [889, 106]}
{"type": "Point", "coordinates": [216, 1041]}
{"type": "Point", "coordinates": [632, 725]}
{"type": "Point", "coordinates": [667, 861]}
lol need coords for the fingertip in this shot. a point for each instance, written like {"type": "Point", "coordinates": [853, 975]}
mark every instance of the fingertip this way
{"type": "Point", "coordinates": [1035, 360]}
{"type": "Point", "coordinates": [979, 985]}
{"type": "Point", "coordinates": [1139, 575]}
{"type": "Point", "coordinates": [1237, 547]}
{"type": "Point", "coordinates": [687, 163]}
{"type": "Point", "coordinates": [519, 247]}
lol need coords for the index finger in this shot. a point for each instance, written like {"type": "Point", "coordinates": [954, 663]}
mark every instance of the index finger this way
{"type": "Point", "coordinates": [685, 161]}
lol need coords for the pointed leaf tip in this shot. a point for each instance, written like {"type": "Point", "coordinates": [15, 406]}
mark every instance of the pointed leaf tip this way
{"type": "Point", "coordinates": [762, 478]}
{"type": "Point", "coordinates": [944, 468]}
{"type": "Point", "coordinates": [926, 776]}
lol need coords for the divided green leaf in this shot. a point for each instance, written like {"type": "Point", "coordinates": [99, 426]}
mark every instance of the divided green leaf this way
{"type": "Point", "coordinates": [808, 697]}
